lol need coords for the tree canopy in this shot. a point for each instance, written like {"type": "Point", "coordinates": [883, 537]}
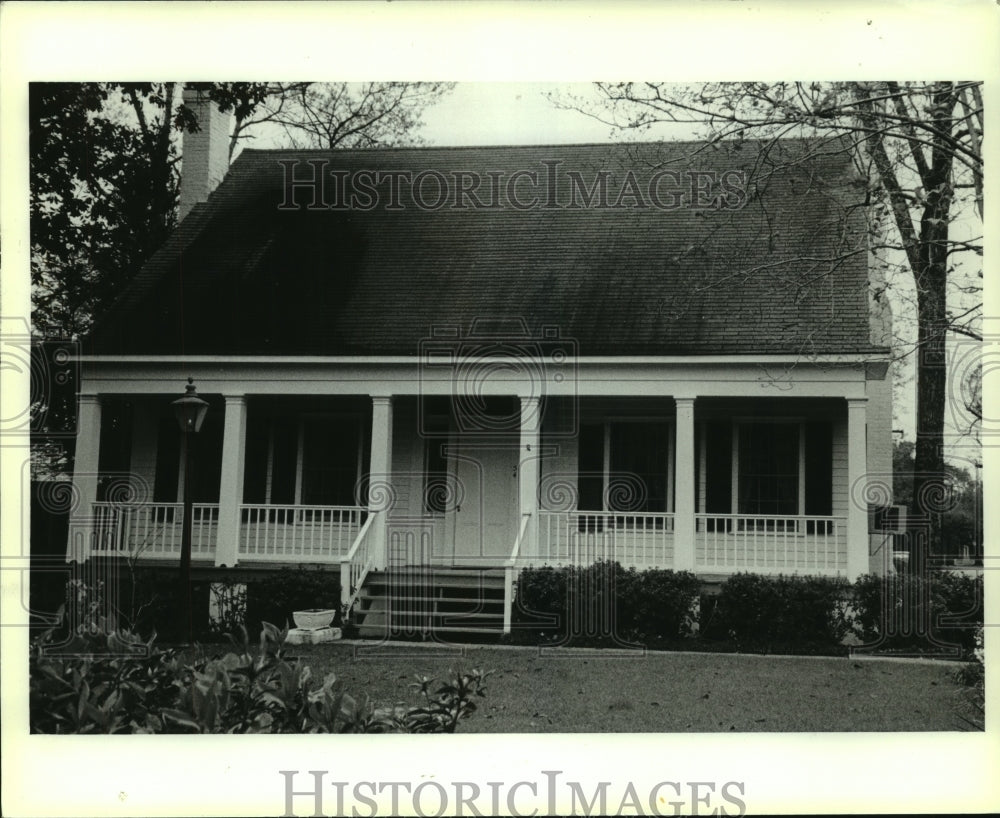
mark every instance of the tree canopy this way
{"type": "Point", "coordinates": [105, 167]}
{"type": "Point", "coordinates": [104, 176]}
{"type": "Point", "coordinates": [106, 163]}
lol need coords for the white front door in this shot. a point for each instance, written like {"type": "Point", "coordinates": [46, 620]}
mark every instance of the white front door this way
{"type": "Point", "coordinates": [483, 521]}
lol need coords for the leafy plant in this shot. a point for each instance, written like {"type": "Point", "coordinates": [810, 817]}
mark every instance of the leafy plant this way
{"type": "Point", "coordinates": [905, 611]}
{"type": "Point", "coordinates": [274, 598]}
{"type": "Point", "coordinates": [231, 604]}
{"type": "Point", "coordinates": [604, 602]}
{"type": "Point", "coordinates": [118, 683]}
{"type": "Point", "coordinates": [781, 612]}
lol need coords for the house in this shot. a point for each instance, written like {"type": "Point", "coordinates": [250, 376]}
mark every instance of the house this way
{"type": "Point", "coordinates": [669, 355]}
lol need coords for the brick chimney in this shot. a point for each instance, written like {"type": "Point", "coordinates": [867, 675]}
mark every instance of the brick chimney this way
{"type": "Point", "coordinates": [206, 153]}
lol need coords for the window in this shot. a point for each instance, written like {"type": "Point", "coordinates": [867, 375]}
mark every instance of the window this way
{"type": "Point", "coordinates": [625, 465]}
{"type": "Point", "coordinates": [768, 472]}
{"type": "Point", "coordinates": [312, 460]}
{"type": "Point", "coordinates": [776, 467]}
{"type": "Point", "coordinates": [329, 458]}
{"type": "Point", "coordinates": [206, 461]}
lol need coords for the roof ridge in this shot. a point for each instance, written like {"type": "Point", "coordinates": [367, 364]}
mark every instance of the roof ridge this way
{"type": "Point", "coordinates": [536, 146]}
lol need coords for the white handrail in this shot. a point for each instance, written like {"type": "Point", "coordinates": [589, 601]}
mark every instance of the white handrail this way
{"type": "Point", "coordinates": [510, 570]}
{"type": "Point", "coordinates": [516, 550]}
{"type": "Point", "coordinates": [352, 573]}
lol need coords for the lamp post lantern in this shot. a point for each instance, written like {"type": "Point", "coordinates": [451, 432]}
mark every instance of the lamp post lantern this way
{"type": "Point", "coordinates": [190, 411]}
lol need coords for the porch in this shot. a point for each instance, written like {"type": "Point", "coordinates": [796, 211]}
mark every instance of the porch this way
{"type": "Point", "coordinates": [715, 482]}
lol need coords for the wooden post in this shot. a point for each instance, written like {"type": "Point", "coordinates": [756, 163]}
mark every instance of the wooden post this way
{"type": "Point", "coordinates": [857, 475]}
{"type": "Point", "coordinates": [85, 474]}
{"type": "Point", "coordinates": [684, 485]}
{"type": "Point", "coordinates": [527, 471]}
{"type": "Point", "coordinates": [227, 540]}
{"type": "Point", "coordinates": [379, 476]}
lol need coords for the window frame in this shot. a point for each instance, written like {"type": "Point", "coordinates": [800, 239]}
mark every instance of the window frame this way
{"type": "Point", "coordinates": [612, 420]}
{"type": "Point", "coordinates": [302, 419]}
{"type": "Point", "coordinates": [799, 423]}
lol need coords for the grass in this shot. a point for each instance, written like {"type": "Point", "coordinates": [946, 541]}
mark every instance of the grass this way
{"type": "Point", "coordinates": [591, 691]}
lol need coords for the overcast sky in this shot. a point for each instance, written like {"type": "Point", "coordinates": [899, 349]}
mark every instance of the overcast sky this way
{"type": "Point", "coordinates": [498, 113]}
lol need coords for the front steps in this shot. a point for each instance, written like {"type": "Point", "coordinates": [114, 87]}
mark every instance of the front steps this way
{"type": "Point", "coordinates": [421, 602]}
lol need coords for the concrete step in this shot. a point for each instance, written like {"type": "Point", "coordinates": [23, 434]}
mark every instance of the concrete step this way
{"type": "Point", "coordinates": [433, 602]}
{"type": "Point", "coordinates": [416, 600]}
{"type": "Point", "coordinates": [437, 581]}
{"type": "Point", "coordinates": [380, 631]}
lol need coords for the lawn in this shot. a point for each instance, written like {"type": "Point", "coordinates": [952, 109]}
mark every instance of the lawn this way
{"type": "Point", "coordinates": [591, 691]}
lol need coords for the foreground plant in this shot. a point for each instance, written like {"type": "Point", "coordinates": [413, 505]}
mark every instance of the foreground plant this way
{"type": "Point", "coordinates": [119, 683]}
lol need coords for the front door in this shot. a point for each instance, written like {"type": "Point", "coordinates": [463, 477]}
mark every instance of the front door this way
{"type": "Point", "coordinates": [483, 520]}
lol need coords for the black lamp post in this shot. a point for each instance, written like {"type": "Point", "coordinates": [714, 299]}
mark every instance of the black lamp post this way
{"type": "Point", "coordinates": [190, 411]}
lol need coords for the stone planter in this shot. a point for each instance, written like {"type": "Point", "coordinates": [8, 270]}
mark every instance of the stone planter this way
{"type": "Point", "coordinates": [313, 618]}
{"type": "Point", "coordinates": [312, 636]}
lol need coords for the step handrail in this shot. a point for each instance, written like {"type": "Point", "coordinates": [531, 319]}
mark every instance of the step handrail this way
{"type": "Point", "coordinates": [510, 568]}
{"type": "Point", "coordinates": [350, 587]}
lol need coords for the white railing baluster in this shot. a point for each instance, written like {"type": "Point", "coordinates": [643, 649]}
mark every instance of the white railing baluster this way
{"type": "Point", "coordinates": [153, 530]}
{"type": "Point", "coordinates": [770, 544]}
{"type": "Point", "coordinates": [285, 533]}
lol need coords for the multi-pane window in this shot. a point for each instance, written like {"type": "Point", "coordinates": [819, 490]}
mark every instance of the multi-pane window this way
{"type": "Point", "coordinates": [311, 460]}
{"type": "Point", "coordinates": [768, 468]}
{"type": "Point", "coordinates": [330, 457]}
{"type": "Point", "coordinates": [625, 466]}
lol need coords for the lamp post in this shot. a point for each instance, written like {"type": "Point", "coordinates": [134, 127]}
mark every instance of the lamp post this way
{"type": "Point", "coordinates": [190, 411]}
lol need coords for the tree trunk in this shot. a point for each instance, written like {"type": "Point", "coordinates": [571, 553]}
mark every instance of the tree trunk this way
{"type": "Point", "coordinates": [930, 491]}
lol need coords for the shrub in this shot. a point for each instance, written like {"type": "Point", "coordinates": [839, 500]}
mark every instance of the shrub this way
{"type": "Point", "coordinates": [274, 598]}
{"type": "Point", "coordinates": [973, 675]}
{"type": "Point", "coordinates": [779, 613]}
{"type": "Point", "coordinates": [909, 611]}
{"type": "Point", "coordinates": [230, 600]}
{"type": "Point", "coordinates": [142, 601]}
{"type": "Point", "coordinates": [540, 601]}
{"type": "Point", "coordinates": [604, 603]}
{"type": "Point", "coordinates": [118, 683]}
{"type": "Point", "coordinates": [659, 605]}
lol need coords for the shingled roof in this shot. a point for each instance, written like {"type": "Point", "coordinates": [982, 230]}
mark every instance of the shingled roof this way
{"type": "Point", "coordinates": [781, 269]}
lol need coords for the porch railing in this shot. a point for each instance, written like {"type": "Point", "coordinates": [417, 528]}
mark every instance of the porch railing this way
{"type": "Point", "coordinates": [153, 530]}
{"type": "Point", "coordinates": [355, 565]}
{"type": "Point", "coordinates": [298, 533]}
{"type": "Point", "coordinates": [583, 537]}
{"type": "Point", "coordinates": [770, 544]}
{"type": "Point", "coordinates": [510, 572]}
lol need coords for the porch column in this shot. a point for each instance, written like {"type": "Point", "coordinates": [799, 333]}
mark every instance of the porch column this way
{"type": "Point", "coordinates": [234, 438]}
{"type": "Point", "coordinates": [684, 485]}
{"type": "Point", "coordinates": [857, 476]}
{"type": "Point", "coordinates": [85, 474]}
{"type": "Point", "coordinates": [379, 476]}
{"type": "Point", "coordinates": [527, 471]}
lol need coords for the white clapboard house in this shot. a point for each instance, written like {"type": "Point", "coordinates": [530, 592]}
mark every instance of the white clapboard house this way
{"type": "Point", "coordinates": [471, 360]}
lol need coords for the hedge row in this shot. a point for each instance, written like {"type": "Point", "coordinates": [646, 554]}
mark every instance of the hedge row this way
{"type": "Point", "coordinates": [145, 601]}
{"type": "Point", "coordinates": [606, 604]}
